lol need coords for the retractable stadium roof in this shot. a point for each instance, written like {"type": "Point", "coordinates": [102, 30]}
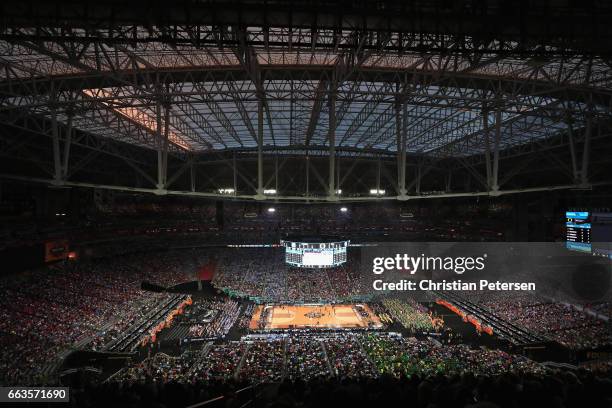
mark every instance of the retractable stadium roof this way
{"type": "Point", "coordinates": [436, 82]}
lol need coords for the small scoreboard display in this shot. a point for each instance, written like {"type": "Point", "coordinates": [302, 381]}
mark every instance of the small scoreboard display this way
{"type": "Point", "coordinates": [578, 230]}
{"type": "Point", "coordinates": [315, 253]}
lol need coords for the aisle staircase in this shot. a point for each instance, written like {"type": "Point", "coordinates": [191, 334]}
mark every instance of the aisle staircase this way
{"type": "Point", "coordinates": [131, 338]}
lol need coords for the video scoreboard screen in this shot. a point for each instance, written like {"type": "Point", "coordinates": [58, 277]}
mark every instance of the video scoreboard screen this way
{"type": "Point", "coordinates": [318, 257]}
{"type": "Point", "coordinates": [590, 232]}
{"type": "Point", "coordinates": [578, 231]}
{"type": "Point", "coordinates": [315, 254]}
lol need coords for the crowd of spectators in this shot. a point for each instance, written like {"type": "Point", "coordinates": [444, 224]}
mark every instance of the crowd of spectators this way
{"type": "Point", "coordinates": [223, 311]}
{"type": "Point", "coordinates": [138, 309]}
{"type": "Point", "coordinates": [132, 217]}
{"type": "Point", "coordinates": [603, 308]}
{"type": "Point", "coordinates": [505, 390]}
{"type": "Point", "coordinates": [245, 319]}
{"type": "Point", "coordinates": [83, 305]}
{"type": "Point", "coordinates": [347, 357]}
{"type": "Point", "coordinates": [264, 361]}
{"type": "Point", "coordinates": [220, 363]}
{"type": "Point", "coordinates": [314, 369]}
{"type": "Point", "coordinates": [304, 356]}
{"type": "Point", "coordinates": [160, 367]}
{"type": "Point", "coordinates": [211, 362]}
{"type": "Point", "coordinates": [90, 304]}
{"type": "Point", "coordinates": [261, 274]}
{"type": "Point", "coordinates": [412, 315]}
{"type": "Point", "coordinates": [399, 356]}
{"type": "Point", "coordinates": [565, 323]}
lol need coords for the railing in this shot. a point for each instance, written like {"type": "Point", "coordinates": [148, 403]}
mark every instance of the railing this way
{"type": "Point", "coordinates": [211, 402]}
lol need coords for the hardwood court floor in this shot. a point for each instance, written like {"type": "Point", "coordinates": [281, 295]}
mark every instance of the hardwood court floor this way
{"type": "Point", "coordinates": [318, 316]}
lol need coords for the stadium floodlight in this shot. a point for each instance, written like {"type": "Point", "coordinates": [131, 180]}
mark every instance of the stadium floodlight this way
{"type": "Point", "coordinates": [343, 209]}
{"type": "Point", "coordinates": [226, 191]}
{"type": "Point", "coordinates": [270, 191]}
{"type": "Point", "coordinates": [271, 210]}
{"type": "Point", "coordinates": [377, 191]}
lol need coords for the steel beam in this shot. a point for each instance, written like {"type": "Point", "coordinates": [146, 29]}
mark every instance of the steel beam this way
{"type": "Point", "coordinates": [260, 125]}
{"type": "Point", "coordinates": [192, 176]}
{"type": "Point", "coordinates": [418, 27]}
{"type": "Point", "coordinates": [307, 158]}
{"type": "Point", "coordinates": [235, 173]}
{"type": "Point", "coordinates": [401, 123]}
{"type": "Point", "coordinates": [331, 191]}
{"type": "Point", "coordinates": [297, 198]}
{"type": "Point", "coordinates": [67, 144]}
{"type": "Point", "coordinates": [586, 150]}
{"type": "Point", "coordinates": [160, 147]}
{"type": "Point", "coordinates": [496, 147]}
{"type": "Point", "coordinates": [57, 160]}
{"type": "Point", "coordinates": [572, 149]}
{"type": "Point", "coordinates": [487, 144]}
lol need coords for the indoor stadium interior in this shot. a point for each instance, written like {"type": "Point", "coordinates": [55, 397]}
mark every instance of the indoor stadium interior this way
{"type": "Point", "coordinates": [306, 203]}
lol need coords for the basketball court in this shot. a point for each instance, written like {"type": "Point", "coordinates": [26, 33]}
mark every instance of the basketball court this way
{"type": "Point", "coordinates": [314, 316]}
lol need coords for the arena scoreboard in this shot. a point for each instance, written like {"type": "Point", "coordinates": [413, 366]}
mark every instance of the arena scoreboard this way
{"type": "Point", "coordinates": [578, 230]}
{"type": "Point", "coordinates": [589, 232]}
{"type": "Point", "coordinates": [315, 253]}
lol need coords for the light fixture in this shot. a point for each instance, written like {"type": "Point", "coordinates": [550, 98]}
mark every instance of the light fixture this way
{"type": "Point", "coordinates": [343, 209]}
{"type": "Point", "coordinates": [270, 191]}
{"type": "Point", "coordinates": [339, 191]}
{"type": "Point", "coordinates": [226, 191]}
{"type": "Point", "coordinates": [271, 210]}
{"type": "Point", "coordinates": [377, 191]}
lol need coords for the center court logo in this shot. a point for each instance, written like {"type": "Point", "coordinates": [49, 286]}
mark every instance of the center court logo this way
{"type": "Point", "coordinates": [412, 264]}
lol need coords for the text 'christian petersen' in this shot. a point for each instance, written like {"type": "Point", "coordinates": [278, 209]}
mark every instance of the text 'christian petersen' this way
{"type": "Point", "coordinates": [458, 285]}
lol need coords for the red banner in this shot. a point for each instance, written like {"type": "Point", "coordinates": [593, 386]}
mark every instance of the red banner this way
{"type": "Point", "coordinates": [207, 271]}
{"type": "Point", "coordinates": [480, 327]}
{"type": "Point", "coordinates": [152, 337]}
